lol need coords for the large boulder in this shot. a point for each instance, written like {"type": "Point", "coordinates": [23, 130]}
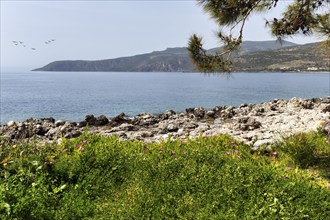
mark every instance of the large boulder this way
{"type": "Point", "coordinates": [90, 119]}
{"type": "Point", "coordinates": [118, 120]}
{"type": "Point", "coordinates": [102, 120]}
{"type": "Point", "coordinates": [99, 121]}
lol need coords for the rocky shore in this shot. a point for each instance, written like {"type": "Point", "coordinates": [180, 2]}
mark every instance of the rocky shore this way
{"type": "Point", "coordinates": [255, 124]}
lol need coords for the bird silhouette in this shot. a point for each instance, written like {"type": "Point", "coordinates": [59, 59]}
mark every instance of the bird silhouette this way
{"type": "Point", "coordinates": [23, 44]}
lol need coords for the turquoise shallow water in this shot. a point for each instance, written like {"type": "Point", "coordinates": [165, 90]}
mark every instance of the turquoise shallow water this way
{"type": "Point", "coordinates": [72, 95]}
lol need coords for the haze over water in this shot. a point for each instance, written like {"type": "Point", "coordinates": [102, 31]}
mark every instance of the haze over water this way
{"type": "Point", "coordinates": [73, 95]}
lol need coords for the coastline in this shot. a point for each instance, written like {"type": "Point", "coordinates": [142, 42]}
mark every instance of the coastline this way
{"type": "Point", "coordinates": [254, 124]}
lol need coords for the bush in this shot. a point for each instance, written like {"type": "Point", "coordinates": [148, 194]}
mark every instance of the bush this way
{"type": "Point", "coordinates": [310, 150]}
{"type": "Point", "coordinates": [96, 177]}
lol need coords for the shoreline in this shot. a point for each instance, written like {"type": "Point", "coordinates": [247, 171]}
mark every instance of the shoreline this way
{"type": "Point", "coordinates": [254, 124]}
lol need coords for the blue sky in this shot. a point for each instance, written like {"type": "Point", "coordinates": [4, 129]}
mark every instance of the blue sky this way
{"type": "Point", "coordinates": [92, 30]}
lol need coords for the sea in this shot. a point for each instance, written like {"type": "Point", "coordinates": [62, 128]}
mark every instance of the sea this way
{"type": "Point", "coordinates": [73, 95]}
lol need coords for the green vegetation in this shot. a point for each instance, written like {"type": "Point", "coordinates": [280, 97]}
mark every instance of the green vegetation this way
{"type": "Point", "coordinates": [95, 177]}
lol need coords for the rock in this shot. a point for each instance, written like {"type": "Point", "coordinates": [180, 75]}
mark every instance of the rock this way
{"type": "Point", "coordinates": [126, 127]}
{"type": "Point", "coordinates": [199, 113]}
{"type": "Point", "coordinates": [145, 120]}
{"type": "Point", "coordinates": [64, 128]}
{"type": "Point", "coordinates": [258, 111]}
{"type": "Point", "coordinates": [102, 120]}
{"type": "Point", "coordinates": [166, 115]}
{"type": "Point", "coordinates": [307, 104]}
{"type": "Point", "coordinates": [59, 123]}
{"type": "Point", "coordinates": [180, 131]}
{"type": "Point", "coordinates": [145, 115]}
{"type": "Point", "coordinates": [140, 135]}
{"type": "Point", "coordinates": [325, 100]}
{"type": "Point", "coordinates": [53, 133]}
{"type": "Point", "coordinates": [165, 137]}
{"type": "Point", "coordinates": [162, 127]}
{"type": "Point", "coordinates": [273, 107]}
{"type": "Point", "coordinates": [217, 121]}
{"type": "Point", "coordinates": [82, 124]}
{"type": "Point", "coordinates": [228, 113]}
{"type": "Point", "coordinates": [10, 123]}
{"type": "Point", "coordinates": [218, 109]}
{"type": "Point", "coordinates": [49, 120]}
{"type": "Point", "coordinates": [326, 109]}
{"type": "Point", "coordinates": [145, 134]}
{"type": "Point", "coordinates": [243, 127]}
{"type": "Point", "coordinates": [247, 123]}
{"type": "Point", "coordinates": [243, 120]}
{"type": "Point", "coordinates": [73, 134]}
{"type": "Point", "coordinates": [210, 114]}
{"type": "Point", "coordinates": [118, 120]}
{"type": "Point", "coordinates": [121, 134]}
{"type": "Point", "coordinates": [90, 119]}
{"type": "Point", "coordinates": [203, 127]}
{"type": "Point", "coordinates": [182, 115]}
{"type": "Point", "coordinates": [190, 125]}
{"type": "Point", "coordinates": [172, 128]}
{"type": "Point", "coordinates": [253, 124]}
{"type": "Point", "coordinates": [41, 130]}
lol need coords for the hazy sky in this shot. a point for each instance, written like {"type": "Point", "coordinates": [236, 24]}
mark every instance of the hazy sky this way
{"type": "Point", "coordinates": [92, 30]}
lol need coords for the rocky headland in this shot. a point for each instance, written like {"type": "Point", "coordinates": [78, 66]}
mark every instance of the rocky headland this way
{"type": "Point", "coordinates": [253, 56]}
{"type": "Point", "coordinates": [254, 124]}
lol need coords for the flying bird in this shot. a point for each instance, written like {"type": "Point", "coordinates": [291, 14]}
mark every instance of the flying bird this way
{"type": "Point", "coordinates": [17, 42]}
{"type": "Point", "coordinates": [49, 41]}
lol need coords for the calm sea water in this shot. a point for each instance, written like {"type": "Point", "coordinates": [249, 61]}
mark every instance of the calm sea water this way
{"type": "Point", "coordinates": [72, 95]}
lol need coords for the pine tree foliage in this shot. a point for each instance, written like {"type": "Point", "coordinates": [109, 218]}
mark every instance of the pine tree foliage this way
{"type": "Point", "coordinates": [301, 17]}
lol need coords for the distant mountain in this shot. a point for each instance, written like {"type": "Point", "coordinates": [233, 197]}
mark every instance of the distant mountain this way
{"type": "Point", "coordinates": [308, 57]}
{"type": "Point", "coordinates": [252, 46]}
{"type": "Point", "coordinates": [253, 56]}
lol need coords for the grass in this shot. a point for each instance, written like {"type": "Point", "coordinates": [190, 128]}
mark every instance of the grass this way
{"type": "Point", "coordinates": [95, 177]}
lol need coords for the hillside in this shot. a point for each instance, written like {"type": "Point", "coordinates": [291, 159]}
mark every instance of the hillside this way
{"type": "Point", "coordinates": [253, 56]}
{"type": "Point", "coordinates": [308, 57]}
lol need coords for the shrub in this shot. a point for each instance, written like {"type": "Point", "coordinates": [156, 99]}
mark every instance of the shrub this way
{"type": "Point", "coordinates": [96, 177]}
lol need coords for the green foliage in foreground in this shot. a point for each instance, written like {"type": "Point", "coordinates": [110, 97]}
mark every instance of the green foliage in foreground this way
{"type": "Point", "coordinates": [96, 177]}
